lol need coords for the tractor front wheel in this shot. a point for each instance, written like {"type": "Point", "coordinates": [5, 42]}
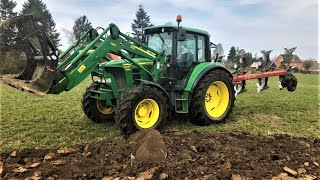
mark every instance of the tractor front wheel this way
{"type": "Point", "coordinates": [141, 108]}
{"type": "Point", "coordinates": [213, 98]}
{"type": "Point", "coordinates": [95, 109]}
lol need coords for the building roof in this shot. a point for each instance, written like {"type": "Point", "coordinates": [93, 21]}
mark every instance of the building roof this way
{"type": "Point", "coordinates": [296, 59]}
{"type": "Point", "coordinates": [273, 65]}
{"type": "Point", "coordinates": [254, 65]}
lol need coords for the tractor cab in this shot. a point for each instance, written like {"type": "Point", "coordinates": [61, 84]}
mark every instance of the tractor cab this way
{"type": "Point", "coordinates": [187, 53]}
{"type": "Point", "coordinates": [184, 49]}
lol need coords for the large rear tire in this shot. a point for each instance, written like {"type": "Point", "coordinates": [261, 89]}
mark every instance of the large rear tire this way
{"type": "Point", "coordinates": [141, 108]}
{"type": "Point", "coordinates": [213, 99]}
{"type": "Point", "coordinates": [95, 109]}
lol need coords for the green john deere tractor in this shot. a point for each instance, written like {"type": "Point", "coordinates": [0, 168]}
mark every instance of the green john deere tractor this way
{"type": "Point", "coordinates": [172, 72]}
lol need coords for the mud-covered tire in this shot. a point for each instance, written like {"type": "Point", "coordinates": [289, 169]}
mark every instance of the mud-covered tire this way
{"type": "Point", "coordinates": [90, 107]}
{"type": "Point", "coordinates": [127, 111]}
{"type": "Point", "coordinates": [216, 82]}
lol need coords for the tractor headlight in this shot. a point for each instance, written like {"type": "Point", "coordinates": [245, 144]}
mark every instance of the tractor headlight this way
{"type": "Point", "coordinates": [105, 80]}
{"type": "Point", "coordinates": [108, 80]}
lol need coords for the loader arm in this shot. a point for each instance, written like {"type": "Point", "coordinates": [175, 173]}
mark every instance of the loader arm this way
{"type": "Point", "coordinates": [84, 60]}
{"type": "Point", "coordinates": [46, 72]}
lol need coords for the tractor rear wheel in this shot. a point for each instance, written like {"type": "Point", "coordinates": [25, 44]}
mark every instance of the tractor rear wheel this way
{"type": "Point", "coordinates": [213, 98]}
{"type": "Point", "coordinates": [141, 108]}
{"type": "Point", "coordinates": [95, 109]}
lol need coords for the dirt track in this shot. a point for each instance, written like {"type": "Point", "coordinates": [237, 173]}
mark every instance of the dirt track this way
{"type": "Point", "coordinates": [194, 155]}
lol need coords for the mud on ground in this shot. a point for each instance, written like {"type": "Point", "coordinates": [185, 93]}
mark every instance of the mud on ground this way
{"type": "Point", "coordinates": [194, 155]}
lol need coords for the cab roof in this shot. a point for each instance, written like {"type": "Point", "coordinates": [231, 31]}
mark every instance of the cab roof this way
{"type": "Point", "coordinates": [176, 27]}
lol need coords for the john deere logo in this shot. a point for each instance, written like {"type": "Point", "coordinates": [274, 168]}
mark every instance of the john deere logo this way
{"type": "Point", "coordinates": [81, 68]}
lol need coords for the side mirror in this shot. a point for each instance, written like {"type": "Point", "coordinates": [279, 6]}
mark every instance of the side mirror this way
{"type": "Point", "coordinates": [168, 58]}
{"type": "Point", "coordinates": [143, 38]}
{"type": "Point", "coordinates": [181, 34]}
{"type": "Point", "coordinates": [218, 52]}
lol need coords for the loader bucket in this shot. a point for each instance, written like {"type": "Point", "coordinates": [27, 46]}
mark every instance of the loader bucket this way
{"type": "Point", "coordinates": [28, 61]}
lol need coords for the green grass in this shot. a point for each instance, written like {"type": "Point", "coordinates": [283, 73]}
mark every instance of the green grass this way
{"type": "Point", "coordinates": [28, 121]}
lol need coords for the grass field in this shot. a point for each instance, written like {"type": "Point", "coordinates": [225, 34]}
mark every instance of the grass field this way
{"type": "Point", "coordinates": [28, 121]}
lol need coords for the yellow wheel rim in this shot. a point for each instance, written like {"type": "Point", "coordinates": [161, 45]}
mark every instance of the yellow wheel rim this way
{"type": "Point", "coordinates": [146, 113]}
{"type": "Point", "coordinates": [103, 109]}
{"type": "Point", "coordinates": [217, 99]}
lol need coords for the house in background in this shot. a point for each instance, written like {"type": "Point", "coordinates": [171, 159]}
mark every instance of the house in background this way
{"type": "Point", "coordinates": [273, 66]}
{"type": "Point", "coordinates": [315, 68]}
{"type": "Point", "coordinates": [296, 62]}
{"type": "Point", "coordinates": [254, 66]}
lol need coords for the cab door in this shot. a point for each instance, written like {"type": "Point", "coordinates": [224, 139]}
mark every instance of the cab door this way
{"type": "Point", "coordinates": [190, 53]}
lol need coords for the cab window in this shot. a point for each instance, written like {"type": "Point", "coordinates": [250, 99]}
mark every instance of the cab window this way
{"type": "Point", "coordinates": [161, 42]}
{"type": "Point", "coordinates": [201, 49]}
{"type": "Point", "coordinates": [191, 50]}
{"type": "Point", "coordinates": [186, 50]}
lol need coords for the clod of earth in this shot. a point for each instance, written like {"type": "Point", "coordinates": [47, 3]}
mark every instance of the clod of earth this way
{"type": "Point", "coordinates": [58, 162]}
{"type": "Point", "coordinates": [66, 150]}
{"type": "Point", "coordinates": [13, 154]}
{"type": "Point", "coordinates": [148, 174]}
{"type": "Point", "coordinates": [1, 169]}
{"type": "Point", "coordinates": [291, 171]}
{"type": "Point", "coordinates": [163, 176]}
{"type": "Point", "coordinates": [148, 146]}
{"type": "Point", "coordinates": [49, 156]}
{"type": "Point", "coordinates": [20, 169]}
{"type": "Point", "coordinates": [301, 171]}
{"type": "Point", "coordinates": [33, 165]}
{"type": "Point", "coordinates": [306, 163]}
{"type": "Point", "coordinates": [315, 163]}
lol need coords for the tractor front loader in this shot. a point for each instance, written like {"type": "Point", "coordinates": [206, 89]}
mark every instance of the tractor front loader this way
{"type": "Point", "coordinates": [172, 72]}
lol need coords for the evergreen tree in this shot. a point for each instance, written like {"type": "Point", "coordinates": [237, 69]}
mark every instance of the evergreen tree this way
{"type": "Point", "coordinates": [255, 58]}
{"type": "Point", "coordinates": [232, 53]}
{"type": "Point", "coordinates": [249, 59]}
{"type": "Point", "coordinates": [6, 9]}
{"type": "Point", "coordinates": [81, 25]}
{"type": "Point", "coordinates": [40, 11]}
{"type": "Point", "coordinates": [7, 33]}
{"type": "Point", "coordinates": [142, 20]}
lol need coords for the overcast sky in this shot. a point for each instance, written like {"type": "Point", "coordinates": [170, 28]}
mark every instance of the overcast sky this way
{"type": "Point", "coordinates": [249, 24]}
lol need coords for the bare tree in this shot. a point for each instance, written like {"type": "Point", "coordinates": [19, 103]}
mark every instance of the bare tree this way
{"type": "Point", "coordinates": [307, 64]}
{"type": "Point", "coordinates": [71, 38]}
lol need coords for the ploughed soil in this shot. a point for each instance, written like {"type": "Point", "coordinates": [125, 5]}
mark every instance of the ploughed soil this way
{"type": "Point", "coordinates": [194, 155]}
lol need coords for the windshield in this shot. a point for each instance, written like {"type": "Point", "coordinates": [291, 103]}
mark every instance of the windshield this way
{"type": "Point", "coordinates": [161, 42]}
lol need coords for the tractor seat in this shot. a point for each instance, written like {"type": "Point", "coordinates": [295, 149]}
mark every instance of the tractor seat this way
{"type": "Point", "coordinates": [186, 59]}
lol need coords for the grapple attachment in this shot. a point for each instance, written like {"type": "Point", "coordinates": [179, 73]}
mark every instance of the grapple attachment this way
{"type": "Point", "coordinates": [29, 60]}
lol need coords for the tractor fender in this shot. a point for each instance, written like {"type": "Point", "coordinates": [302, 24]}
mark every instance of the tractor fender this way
{"type": "Point", "coordinates": [150, 83]}
{"type": "Point", "coordinates": [202, 73]}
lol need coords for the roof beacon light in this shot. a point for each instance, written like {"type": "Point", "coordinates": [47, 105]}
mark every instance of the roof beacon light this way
{"type": "Point", "coordinates": [179, 18]}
